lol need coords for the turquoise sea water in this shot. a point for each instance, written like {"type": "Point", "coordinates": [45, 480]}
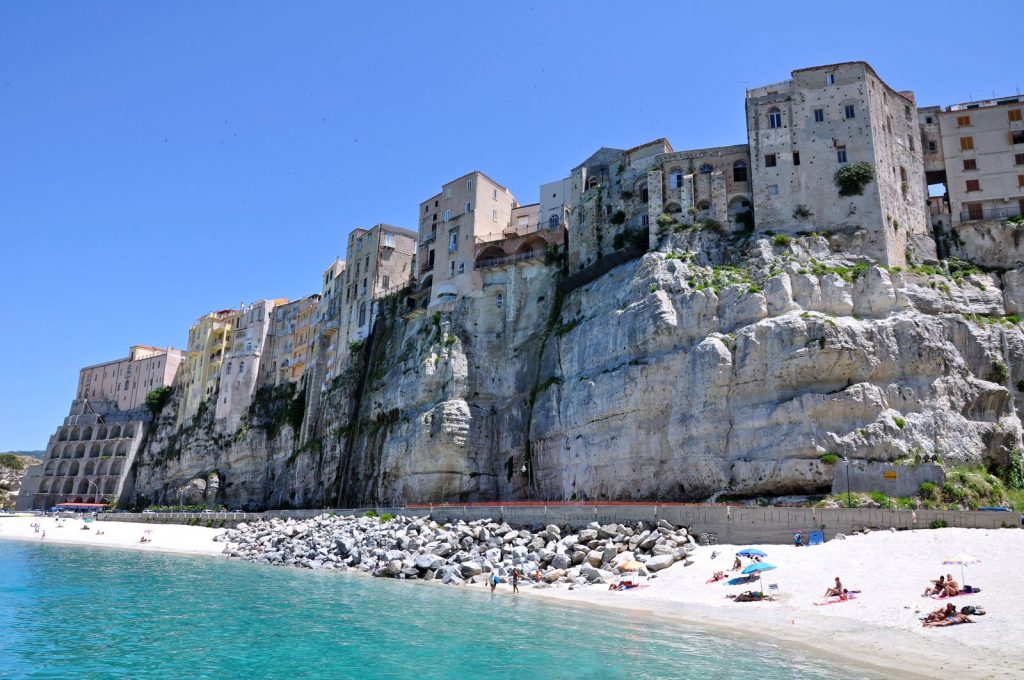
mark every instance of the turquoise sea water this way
{"type": "Point", "coordinates": [76, 612]}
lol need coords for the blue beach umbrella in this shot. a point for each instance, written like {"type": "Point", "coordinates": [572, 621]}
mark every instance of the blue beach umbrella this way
{"type": "Point", "coordinates": [757, 568]}
{"type": "Point", "coordinates": [752, 552]}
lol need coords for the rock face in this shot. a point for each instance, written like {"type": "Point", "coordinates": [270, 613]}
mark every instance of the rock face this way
{"type": "Point", "coordinates": [382, 547]}
{"type": "Point", "coordinates": [13, 469]}
{"type": "Point", "coordinates": [716, 363]}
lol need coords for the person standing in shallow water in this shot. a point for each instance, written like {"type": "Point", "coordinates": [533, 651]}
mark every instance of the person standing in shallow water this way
{"type": "Point", "coordinates": [515, 580]}
{"type": "Point", "coordinates": [494, 581]}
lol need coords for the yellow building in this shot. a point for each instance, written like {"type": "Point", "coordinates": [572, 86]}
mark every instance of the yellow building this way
{"type": "Point", "coordinates": [209, 340]}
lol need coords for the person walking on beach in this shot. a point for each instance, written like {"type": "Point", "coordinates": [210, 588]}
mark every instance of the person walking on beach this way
{"type": "Point", "coordinates": [494, 581]}
{"type": "Point", "coordinates": [515, 580]}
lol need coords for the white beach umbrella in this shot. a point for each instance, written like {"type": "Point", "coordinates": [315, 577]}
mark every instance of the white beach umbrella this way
{"type": "Point", "coordinates": [962, 560]}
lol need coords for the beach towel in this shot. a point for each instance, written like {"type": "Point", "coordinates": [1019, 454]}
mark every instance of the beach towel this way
{"type": "Point", "coordinates": [836, 600]}
{"type": "Point", "coordinates": [741, 580]}
{"type": "Point", "coordinates": [816, 538]}
{"type": "Point", "coordinates": [962, 593]}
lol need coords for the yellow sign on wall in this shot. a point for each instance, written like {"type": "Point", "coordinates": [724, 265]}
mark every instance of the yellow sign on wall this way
{"type": "Point", "coordinates": [889, 474]}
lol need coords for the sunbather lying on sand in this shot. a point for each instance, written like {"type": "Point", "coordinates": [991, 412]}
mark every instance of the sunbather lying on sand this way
{"type": "Point", "coordinates": [719, 575]}
{"type": "Point", "coordinates": [948, 621]}
{"type": "Point", "coordinates": [749, 596]}
{"type": "Point", "coordinates": [940, 613]}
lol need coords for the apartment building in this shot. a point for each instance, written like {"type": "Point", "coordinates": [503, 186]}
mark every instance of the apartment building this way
{"type": "Point", "coordinates": [88, 458]}
{"type": "Point", "coordinates": [469, 207]}
{"type": "Point", "coordinates": [124, 383]}
{"type": "Point", "coordinates": [286, 341]}
{"type": "Point", "coordinates": [801, 131]}
{"type": "Point", "coordinates": [979, 157]}
{"type": "Point", "coordinates": [381, 263]}
{"type": "Point", "coordinates": [209, 340]}
{"type": "Point", "coordinates": [240, 369]}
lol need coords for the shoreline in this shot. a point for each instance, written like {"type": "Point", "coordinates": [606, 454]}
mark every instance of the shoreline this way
{"type": "Point", "coordinates": [879, 632]}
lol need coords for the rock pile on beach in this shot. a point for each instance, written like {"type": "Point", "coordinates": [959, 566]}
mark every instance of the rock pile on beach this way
{"type": "Point", "coordinates": [460, 552]}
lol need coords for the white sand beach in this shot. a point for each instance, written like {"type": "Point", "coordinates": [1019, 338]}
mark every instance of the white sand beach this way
{"type": "Point", "coordinates": [879, 629]}
{"type": "Point", "coordinates": [174, 538]}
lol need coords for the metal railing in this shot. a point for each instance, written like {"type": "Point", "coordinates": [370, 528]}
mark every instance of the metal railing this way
{"type": "Point", "coordinates": [1003, 213]}
{"type": "Point", "coordinates": [513, 232]}
{"type": "Point", "coordinates": [510, 259]}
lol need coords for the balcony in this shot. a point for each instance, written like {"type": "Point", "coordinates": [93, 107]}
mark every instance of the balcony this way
{"type": "Point", "coordinates": [490, 262]}
{"type": "Point", "coordinates": [428, 238]}
{"type": "Point", "coordinates": [512, 231]}
{"type": "Point", "coordinates": [1002, 213]}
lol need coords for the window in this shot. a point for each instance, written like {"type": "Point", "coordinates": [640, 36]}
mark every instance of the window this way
{"type": "Point", "coordinates": [227, 369]}
{"type": "Point", "coordinates": [447, 215]}
{"type": "Point", "coordinates": [739, 171]}
{"type": "Point", "coordinates": [499, 300]}
{"type": "Point", "coordinates": [773, 189]}
{"type": "Point", "coordinates": [385, 281]}
{"type": "Point", "coordinates": [830, 79]}
{"type": "Point", "coordinates": [1017, 137]}
{"type": "Point", "coordinates": [928, 120]}
{"type": "Point", "coordinates": [469, 184]}
{"type": "Point", "coordinates": [644, 220]}
{"type": "Point", "coordinates": [706, 169]}
{"type": "Point", "coordinates": [677, 178]}
{"type": "Point", "coordinates": [451, 269]}
{"type": "Point", "coordinates": [774, 118]}
{"type": "Point", "coordinates": [819, 115]}
{"type": "Point", "coordinates": [469, 207]}
{"type": "Point", "coordinates": [1013, 115]}
{"type": "Point", "coordinates": [553, 222]}
{"type": "Point", "coordinates": [362, 313]}
{"type": "Point", "coordinates": [389, 240]}
{"type": "Point", "coordinates": [974, 211]}
{"type": "Point", "coordinates": [1018, 158]}
{"type": "Point", "coordinates": [462, 267]}
{"type": "Point", "coordinates": [1020, 180]}
{"type": "Point", "coordinates": [841, 153]}
{"type": "Point", "coordinates": [967, 143]}
{"type": "Point", "coordinates": [453, 241]}
{"type": "Point", "coordinates": [363, 291]}
{"type": "Point", "coordinates": [494, 194]}
{"type": "Point", "coordinates": [849, 111]}
{"type": "Point", "coordinates": [494, 215]}
{"type": "Point", "coordinates": [906, 112]}
{"type": "Point", "coordinates": [796, 158]}
{"type": "Point", "coordinates": [769, 160]}
{"type": "Point", "coordinates": [644, 194]}
{"type": "Point", "coordinates": [932, 147]}
{"type": "Point", "coordinates": [963, 121]}
{"type": "Point", "coordinates": [973, 185]}
{"type": "Point", "coordinates": [970, 164]}
{"type": "Point", "coordinates": [910, 142]}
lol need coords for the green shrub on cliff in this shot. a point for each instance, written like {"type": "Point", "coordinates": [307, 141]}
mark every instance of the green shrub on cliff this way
{"type": "Point", "coordinates": [157, 399]}
{"type": "Point", "coordinates": [852, 179]}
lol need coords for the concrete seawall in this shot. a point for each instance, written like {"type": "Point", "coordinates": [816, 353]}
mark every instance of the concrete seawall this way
{"type": "Point", "coordinates": [728, 523]}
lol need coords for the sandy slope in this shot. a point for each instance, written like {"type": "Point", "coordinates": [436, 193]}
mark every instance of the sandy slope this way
{"type": "Point", "coordinates": [879, 629]}
{"type": "Point", "coordinates": [166, 537]}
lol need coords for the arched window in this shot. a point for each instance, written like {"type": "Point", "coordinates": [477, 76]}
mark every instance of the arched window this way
{"type": "Point", "coordinates": [499, 300]}
{"type": "Point", "coordinates": [362, 314]}
{"type": "Point", "coordinates": [706, 169]}
{"type": "Point", "coordinates": [644, 195]}
{"type": "Point", "coordinates": [739, 171]}
{"type": "Point", "coordinates": [774, 117]}
{"type": "Point", "coordinates": [553, 222]}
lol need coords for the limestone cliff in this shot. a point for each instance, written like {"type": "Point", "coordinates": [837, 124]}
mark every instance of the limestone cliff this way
{"type": "Point", "coordinates": [714, 363]}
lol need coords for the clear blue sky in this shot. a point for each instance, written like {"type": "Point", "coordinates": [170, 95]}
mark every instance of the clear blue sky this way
{"type": "Point", "coordinates": [159, 160]}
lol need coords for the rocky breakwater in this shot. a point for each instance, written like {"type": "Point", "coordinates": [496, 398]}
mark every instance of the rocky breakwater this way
{"type": "Point", "coordinates": [461, 552]}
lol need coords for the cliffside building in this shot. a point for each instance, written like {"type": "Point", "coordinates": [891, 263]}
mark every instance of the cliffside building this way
{"type": "Point", "coordinates": [289, 334]}
{"type": "Point", "coordinates": [976, 149]}
{"type": "Point", "coordinates": [209, 340]}
{"type": "Point", "coordinates": [470, 207]}
{"type": "Point", "coordinates": [88, 458]}
{"type": "Point", "coordinates": [381, 263]}
{"type": "Point", "coordinates": [240, 369]}
{"type": "Point", "coordinates": [802, 131]}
